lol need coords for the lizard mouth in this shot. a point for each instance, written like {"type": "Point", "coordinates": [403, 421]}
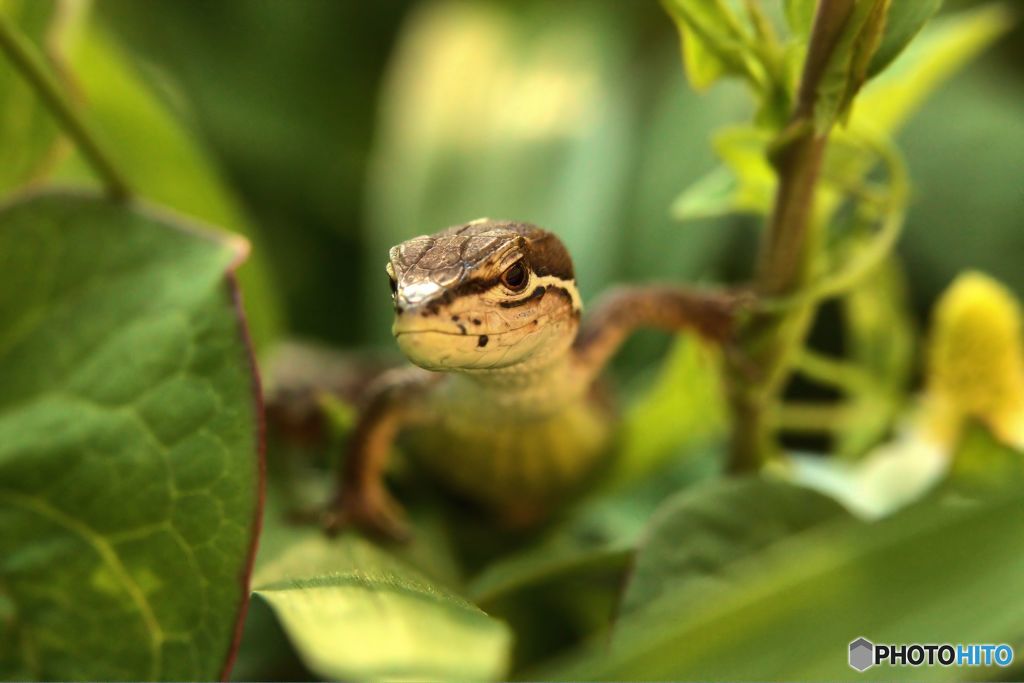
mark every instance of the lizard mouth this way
{"type": "Point", "coordinates": [466, 332]}
{"type": "Point", "coordinates": [435, 348]}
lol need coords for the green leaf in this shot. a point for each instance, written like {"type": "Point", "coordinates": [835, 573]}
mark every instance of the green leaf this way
{"type": "Point", "coordinates": [356, 613]}
{"type": "Point", "coordinates": [295, 489]}
{"type": "Point", "coordinates": [931, 573]}
{"type": "Point", "coordinates": [744, 149]}
{"type": "Point", "coordinates": [703, 65]}
{"type": "Point", "coordinates": [714, 42]}
{"type": "Point", "coordinates": [699, 537]}
{"type": "Point", "coordinates": [265, 649]}
{"type": "Point", "coordinates": [847, 63]}
{"type": "Point", "coordinates": [684, 408]}
{"type": "Point", "coordinates": [302, 553]}
{"type": "Point", "coordinates": [161, 157]}
{"type": "Point", "coordinates": [902, 22]}
{"type": "Point", "coordinates": [945, 46]}
{"type": "Point", "coordinates": [129, 447]}
{"type": "Point", "coordinates": [711, 196]}
{"type": "Point", "coordinates": [745, 184]}
{"type": "Point", "coordinates": [563, 587]}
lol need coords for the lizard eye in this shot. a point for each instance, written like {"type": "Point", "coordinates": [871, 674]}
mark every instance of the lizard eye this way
{"type": "Point", "coordinates": [515, 276]}
{"type": "Point", "coordinates": [394, 284]}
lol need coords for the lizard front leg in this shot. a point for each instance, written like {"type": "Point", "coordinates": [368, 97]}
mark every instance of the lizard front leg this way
{"type": "Point", "coordinates": [398, 398]}
{"type": "Point", "coordinates": [626, 309]}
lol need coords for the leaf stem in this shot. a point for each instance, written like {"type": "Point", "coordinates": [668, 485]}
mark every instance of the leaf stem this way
{"type": "Point", "coordinates": [26, 60]}
{"type": "Point", "coordinates": [894, 214]}
{"type": "Point", "coordinates": [770, 341]}
{"type": "Point", "coordinates": [799, 160]}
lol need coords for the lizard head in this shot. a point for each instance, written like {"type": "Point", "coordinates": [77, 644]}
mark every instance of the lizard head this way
{"type": "Point", "coordinates": [482, 296]}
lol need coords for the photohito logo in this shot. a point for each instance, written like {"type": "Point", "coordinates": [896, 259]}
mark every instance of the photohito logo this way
{"type": "Point", "coordinates": [864, 654]}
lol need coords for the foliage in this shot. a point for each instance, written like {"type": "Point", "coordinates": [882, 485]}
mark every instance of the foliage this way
{"type": "Point", "coordinates": [130, 434]}
{"type": "Point", "coordinates": [948, 573]}
{"type": "Point", "coordinates": [29, 136]}
{"type": "Point", "coordinates": [145, 139]}
{"type": "Point", "coordinates": [128, 444]}
{"type": "Point", "coordinates": [355, 612]}
{"type": "Point", "coordinates": [701, 535]}
{"type": "Point", "coordinates": [806, 257]}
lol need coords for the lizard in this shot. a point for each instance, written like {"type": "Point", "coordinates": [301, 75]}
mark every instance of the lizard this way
{"type": "Point", "coordinates": [499, 399]}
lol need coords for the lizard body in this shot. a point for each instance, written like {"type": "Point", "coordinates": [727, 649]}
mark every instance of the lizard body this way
{"type": "Point", "coordinates": [502, 404]}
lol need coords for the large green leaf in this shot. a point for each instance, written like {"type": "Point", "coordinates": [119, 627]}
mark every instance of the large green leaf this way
{"type": "Point", "coordinates": [355, 612]}
{"type": "Point", "coordinates": [129, 444]}
{"type": "Point", "coordinates": [932, 573]}
{"type": "Point", "coordinates": [700, 536]}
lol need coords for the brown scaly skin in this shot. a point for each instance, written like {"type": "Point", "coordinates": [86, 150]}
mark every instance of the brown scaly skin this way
{"type": "Point", "coordinates": [501, 406]}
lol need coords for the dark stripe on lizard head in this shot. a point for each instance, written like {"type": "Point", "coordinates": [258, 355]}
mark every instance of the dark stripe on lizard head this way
{"type": "Point", "coordinates": [431, 271]}
{"type": "Point", "coordinates": [455, 290]}
{"type": "Point", "coordinates": [546, 255]}
{"type": "Point", "coordinates": [537, 293]}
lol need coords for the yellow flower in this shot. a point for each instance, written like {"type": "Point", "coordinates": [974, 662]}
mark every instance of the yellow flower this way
{"type": "Point", "coordinates": [975, 363]}
{"type": "Point", "coordinates": [974, 371]}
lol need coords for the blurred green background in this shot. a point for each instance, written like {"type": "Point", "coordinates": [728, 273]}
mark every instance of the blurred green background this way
{"type": "Point", "coordinates": [347, 126]}
{"type": "Point", "coordinates": [329, 130]}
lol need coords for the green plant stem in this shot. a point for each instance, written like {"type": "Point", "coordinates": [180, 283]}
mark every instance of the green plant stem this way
{"type": "Point", "coordinates": [879, 248]}
{"type": "Point", "coordinates": [26, 60]}
{"type": "Point", "coordinates": [769, 341]}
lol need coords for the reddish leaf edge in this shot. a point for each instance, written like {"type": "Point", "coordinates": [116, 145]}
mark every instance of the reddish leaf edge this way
{"type": "Point", "coordinates": [175, 220]}
{"type": "Point", "coordinates": [241, 247]}
{"type": "Point", "coordinates": [245, 578]}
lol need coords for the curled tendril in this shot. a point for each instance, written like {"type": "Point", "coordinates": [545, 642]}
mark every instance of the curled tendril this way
{"type": "Point", "coordinates": [893, 209]}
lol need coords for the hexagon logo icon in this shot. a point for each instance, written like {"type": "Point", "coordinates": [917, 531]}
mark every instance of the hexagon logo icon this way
{"type": "Point", "coordinates": [862, 654]}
